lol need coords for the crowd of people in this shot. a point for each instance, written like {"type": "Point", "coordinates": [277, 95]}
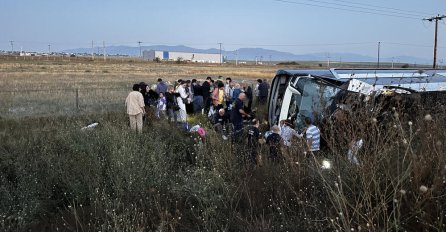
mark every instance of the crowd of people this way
{"type": "Point", "coordinates": [229, 107]}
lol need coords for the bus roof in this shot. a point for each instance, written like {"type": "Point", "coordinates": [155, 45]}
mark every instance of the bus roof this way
{"type": "Point", "coordinates": [417, 80]}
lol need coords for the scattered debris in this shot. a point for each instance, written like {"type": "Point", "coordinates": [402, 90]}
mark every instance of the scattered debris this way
{"type": "Point", "coordinates": [90, 127]}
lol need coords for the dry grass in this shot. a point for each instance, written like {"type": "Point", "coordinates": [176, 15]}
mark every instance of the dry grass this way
{"type": "Point", "coordinates": [43, 87]}
{"type": "Point", "coordinates": [34, 75]}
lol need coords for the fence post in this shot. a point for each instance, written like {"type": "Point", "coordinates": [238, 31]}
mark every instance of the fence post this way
{"type": "Point", "coordinates": [77, 98]}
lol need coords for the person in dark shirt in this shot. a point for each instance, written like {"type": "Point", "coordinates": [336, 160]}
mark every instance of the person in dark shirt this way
{"type": "Point", "coordinates": [237, 115]}
{"type": "Point", "coordinates": [197, 101]}
{"type": "Point", "coordinates": [274, 142]}
{"type": "Point", "coordinates": [172, 106]}
{"type": "Point", "coordinates": [221, 121]}
{"type": "Point", "coordinates": [206, 92]}
{"type": "Point", "coordinates": [253, 136]}
{"type": "Point", "coordinates": [263, 92]}
{"type": "Point", "coordinates": [248, 91]}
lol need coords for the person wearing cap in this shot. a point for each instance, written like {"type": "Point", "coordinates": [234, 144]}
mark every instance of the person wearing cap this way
{"type": "Point", "coordinates": [274, 142]}
{"type": "Point", "coordinates": [135, 108]}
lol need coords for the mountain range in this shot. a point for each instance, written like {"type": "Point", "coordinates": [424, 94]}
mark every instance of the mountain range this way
{"type": "Point", "coordinates": [251, 54]}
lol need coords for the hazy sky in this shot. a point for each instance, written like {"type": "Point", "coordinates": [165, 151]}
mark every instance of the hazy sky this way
{"type": "Point", "coordinates": [297, 26]}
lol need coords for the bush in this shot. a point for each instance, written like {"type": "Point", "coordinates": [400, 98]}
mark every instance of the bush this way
{"type": "Point", "coordinates": [56, 177]}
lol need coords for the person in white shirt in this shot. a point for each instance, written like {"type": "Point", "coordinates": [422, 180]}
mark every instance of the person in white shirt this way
{"type": "Point", "coordinates": [313, 136]}
{"type": "Point", "coordinates": [135, 108]}
{"type": "Point", "coordinates": [287, 133]}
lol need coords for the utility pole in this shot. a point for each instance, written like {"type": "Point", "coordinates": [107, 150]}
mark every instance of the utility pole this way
{"type": "Point", "coordinates": [436, 18]}
{"type": "Point", "coordinates": [328, 60]}
{"type": "Point", "coordinates": [392, 62]}
{"type": "Point", "coordinates": [379, 48]}
{"type": "Point", "coordinates": [92, 50]}
{"type": "Point", "coordinates": [236, 57]}
{"type": "Point", "coordinates": [49, 51]}
{"type": "Point", "coordinates": [140, 52]}
{"type": "Point", "coordinates": [220, 54]}
{"type": "Point", "coordinates": [12, 45]}
{"type": "Point", "coordinates": [103, 48]}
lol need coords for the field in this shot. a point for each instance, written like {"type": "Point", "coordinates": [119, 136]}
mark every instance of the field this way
{"type": "Point", "coordinates": [56, 177]}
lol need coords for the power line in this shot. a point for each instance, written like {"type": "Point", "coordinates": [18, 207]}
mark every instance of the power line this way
{"type": "Point", "coordinates": [345, 9]}
{"type": "Point", "coordinates": [385, 7]}
{"type": "Point", "coordinates": [301, 45]}
{"type": "Point", "coordinates": [374, 8]}
{"type": "Point", "coordinates": [411, 45]}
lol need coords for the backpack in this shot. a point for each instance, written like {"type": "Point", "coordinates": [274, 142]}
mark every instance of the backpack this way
{"type": "Point", "coordinates": [175, 106]}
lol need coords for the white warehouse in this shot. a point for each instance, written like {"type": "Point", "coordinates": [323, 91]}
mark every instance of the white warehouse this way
{"type": "Point", "coordinates": [185, 56]}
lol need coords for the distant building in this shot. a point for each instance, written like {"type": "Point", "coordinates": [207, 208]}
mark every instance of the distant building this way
{"type": "Point", "coordinates": [184, 56]}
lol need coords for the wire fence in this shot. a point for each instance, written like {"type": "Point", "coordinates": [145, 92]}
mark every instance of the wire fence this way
{"type": "Point", "coordinates": [62, 101]}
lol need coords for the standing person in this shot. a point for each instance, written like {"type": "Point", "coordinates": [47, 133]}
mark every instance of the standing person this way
{"type": "Point", "coordinates": [237, 115]}
{"type": "Point", "coordinates": [206, 92]}
{"type": "Point", "coordinates": [236, 92]}
{"type": "Point", "coordinates": [218, 96]}
{"type": "Point", "coordinates": [190, 95]}
{"type": "Point", "coordinates": [161, 87]}
{"type": "Point", "coordinates": [228, 91]}
{"type": "Point", "coordinates": [253, 141]}
{"type": "Point", "coordinates": [182, 90]}
{"type": "Point", "coordinates": [248, 91]}
{"type": "Point", "coordinates": [145, 89]}
{"type": "Point", "coordinates": [135, 108]}
{"type": "Point", "coordinates": [313, 136]}
{"type": "Point", "coordinates": [197, 100]}
{"type": "Point", "coordinates": [171, 104]}
{"type": "Point", "coordinates": [181, 113]}
{"type": "Point", "coordinates": [263, 92]}
{"type": "Point", "coordinates": [274, 142]}
{"type": "Point", "coordinates": [161, 106]}
{"type": "Point", "coordinates": [257, 90]}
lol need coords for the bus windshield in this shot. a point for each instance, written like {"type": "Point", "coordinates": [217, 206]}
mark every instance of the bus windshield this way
{"type": "Point", "coordinates": [314, 100]}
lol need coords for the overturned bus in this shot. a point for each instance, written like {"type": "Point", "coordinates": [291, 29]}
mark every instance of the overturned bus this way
{"type": "Point", "coordinates": [296, 94]}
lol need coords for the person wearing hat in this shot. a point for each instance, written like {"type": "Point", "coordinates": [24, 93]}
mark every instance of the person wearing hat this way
{"type": "Point", "coordinates": [274, 142]}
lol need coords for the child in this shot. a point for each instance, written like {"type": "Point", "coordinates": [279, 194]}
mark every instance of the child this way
{"type": "Point", "coordinates": [161, 106]}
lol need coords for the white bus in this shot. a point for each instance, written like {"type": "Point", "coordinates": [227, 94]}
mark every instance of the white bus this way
{"type": "Point", "coordinates": [296, 94]}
